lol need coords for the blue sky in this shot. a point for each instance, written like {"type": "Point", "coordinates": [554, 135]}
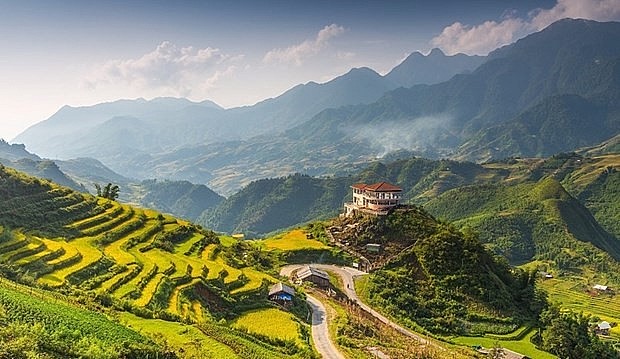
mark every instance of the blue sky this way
{"type": "Point", "coordinates": [77, 53]}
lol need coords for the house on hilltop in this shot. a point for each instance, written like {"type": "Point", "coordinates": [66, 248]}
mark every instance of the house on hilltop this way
{"type": "Point", "coordinates": [376, 199]}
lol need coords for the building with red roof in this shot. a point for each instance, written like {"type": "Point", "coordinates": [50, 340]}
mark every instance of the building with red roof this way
{"type": "Point", "coordinates": [377, 198]}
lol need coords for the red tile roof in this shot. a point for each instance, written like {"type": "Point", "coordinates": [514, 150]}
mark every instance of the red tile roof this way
{"type": "Point", "coordinates": [378, 187]}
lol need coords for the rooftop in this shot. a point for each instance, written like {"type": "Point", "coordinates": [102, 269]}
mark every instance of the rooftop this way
{"type": "Point", "coordinates": [378, 187]}
{"type": "Point", "coordinates": [308, 271]}
{"type": "Point", "coordinates": [281, 287]}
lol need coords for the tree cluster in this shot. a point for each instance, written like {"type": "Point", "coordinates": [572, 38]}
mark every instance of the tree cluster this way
{"type": "Point", "coordinates": [568, 335]}
{"type": "Point", "coordinates": [108, 191]}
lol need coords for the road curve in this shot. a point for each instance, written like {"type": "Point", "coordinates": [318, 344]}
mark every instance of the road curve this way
{"type": "Point", "coordinates": [347, 274]}
{"type": "Point", "coordinates": [320, 332]}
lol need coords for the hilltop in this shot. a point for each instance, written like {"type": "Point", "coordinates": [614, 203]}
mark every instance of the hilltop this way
{"type": "Point", "coordinates": [431, 275]}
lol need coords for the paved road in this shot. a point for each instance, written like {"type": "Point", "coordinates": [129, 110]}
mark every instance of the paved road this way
{"type": "Point", "coordinates": [347, 274]}
{"type": "Point", "coordinates": [320, 333]}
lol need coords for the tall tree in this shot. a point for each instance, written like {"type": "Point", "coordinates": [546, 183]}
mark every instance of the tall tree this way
{"type": "Point", "coordinates": [109, 191]}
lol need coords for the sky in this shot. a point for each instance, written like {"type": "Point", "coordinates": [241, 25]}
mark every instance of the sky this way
{"type": "Point", "coordinates": [235, 53]}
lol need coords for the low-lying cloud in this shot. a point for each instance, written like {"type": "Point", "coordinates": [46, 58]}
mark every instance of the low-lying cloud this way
{"type": "Point", "coordinates": [482, 38]}
{"type": "Point", "coordinates": [296, 54]}
{"type": "Point", "coordinates": [418, 134]}
{"type": "Point", "coordinates": [178, 71]}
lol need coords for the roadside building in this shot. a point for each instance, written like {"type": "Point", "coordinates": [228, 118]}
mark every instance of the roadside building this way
{"type": "Point", "coordinates": [281, 294]}
{"type": "Point", "coordinates": [313, 275]}
{"type": "Point", "coordinates": [600, 288]}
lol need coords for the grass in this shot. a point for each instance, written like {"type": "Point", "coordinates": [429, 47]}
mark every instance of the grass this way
{"type": "Point", "coordinates": [256, 279]}
{"type": "Point", "coordinates": [270, 322]}
{"type": "Point", "coordinates": [293, 240]}
{"type": "Point", "coordinates": [523, 346]}
{"type": "Point", "coordinates": [132, 284]}
{"type": "Point", "coordinates": [185, 246]}
{"type": "Point", "coordinates": [188, 341]}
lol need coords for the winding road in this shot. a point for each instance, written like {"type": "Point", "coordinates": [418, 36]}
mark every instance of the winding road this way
{"type": "Point", "coordinates": [320, 334]}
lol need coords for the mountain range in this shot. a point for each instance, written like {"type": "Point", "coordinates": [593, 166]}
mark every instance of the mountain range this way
{"type": "Point", "coordinates": [125, 135]}
{"type": "Point", "coordinates": [552, 91]}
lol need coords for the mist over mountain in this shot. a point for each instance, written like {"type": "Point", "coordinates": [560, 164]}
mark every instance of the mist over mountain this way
{"type": "Point", "coordinates": [552, 91]}
{"type": "Point", "coordinates": [126, 132]}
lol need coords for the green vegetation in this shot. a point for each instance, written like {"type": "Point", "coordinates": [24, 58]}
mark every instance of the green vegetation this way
{"type": "Point", "coordinates": [445, 281]}
{"type": "Point", "coordinates": [36, 324]}
{"type": "Point", "coordinates": [568, 335]}
{"type": "Point", "coordinates": [523, 346]}
{"type": "Point", "coordinates": [108, 191]}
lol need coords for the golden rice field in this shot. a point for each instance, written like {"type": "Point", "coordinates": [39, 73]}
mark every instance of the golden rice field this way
{"type": "Point", "coordinates": [270, 322]}
{"type": "Point", "coordinates": [120, 238]}
{"type": "Point", "coordinates": [293, 240]}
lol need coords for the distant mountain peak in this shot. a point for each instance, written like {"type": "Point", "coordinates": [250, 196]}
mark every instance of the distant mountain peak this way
{"type": "Point", "coordinates": [433, 68]}
{"type": "Point", "coordinates": [436, 52]}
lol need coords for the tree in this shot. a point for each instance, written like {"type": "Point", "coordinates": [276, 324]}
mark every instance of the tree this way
{"type": "Point", "coordinates": [109, 191]}
{"type": "Point", "coordinates": [567, 336]}
{"type": "Point", "coordinates": [497, 352]}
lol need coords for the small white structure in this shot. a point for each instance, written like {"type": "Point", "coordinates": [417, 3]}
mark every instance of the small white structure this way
{"type": "Point", "coordinates": [601, 288]}
{"type": "Point", "coordinates": [603, 328]}
{"type": "Point", "coordinates": [378, 198]}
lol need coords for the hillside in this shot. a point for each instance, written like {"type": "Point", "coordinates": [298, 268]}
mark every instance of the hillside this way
{"type": "Point", "coordinates": [179, 198]}
{"type": "Point", "coordinates": [453, 285]}
{"type": "Point", "coordinates": [271, 204]}
{"type": "Point", "coordinates": [130, 259]}
{"type": "Point", "coordinates": [529, 221]}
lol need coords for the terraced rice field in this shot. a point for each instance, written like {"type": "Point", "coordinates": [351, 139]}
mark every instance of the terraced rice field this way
{"type": "Point", "coordinates": [115, 248]}
{"type": "Point", "coordinates": [570, 293]}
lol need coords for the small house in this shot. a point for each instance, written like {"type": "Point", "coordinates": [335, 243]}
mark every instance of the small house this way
{"type": "Point", "coordinates": [600, 288]}
{"type": "Point", "coordinates": [281, 293]}
{"type": "Point", "coordinates": [603, 328]}
{"type": "Point", "coordinates": [373, 248]}
{"type": "Point", "coordinates": [313, 275]}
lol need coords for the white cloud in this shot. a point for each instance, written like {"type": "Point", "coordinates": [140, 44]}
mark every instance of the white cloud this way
{"type": "Point", "coordinates": [479, 39]}
{"type": "Point", "coordinates": [168, 70]}
{"type": "Point", "coordinates": [483, 38]}
{"type": "Point", "coordinates": [298, 53]}
{"type": "Point", "coordinates": [600, 10]}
